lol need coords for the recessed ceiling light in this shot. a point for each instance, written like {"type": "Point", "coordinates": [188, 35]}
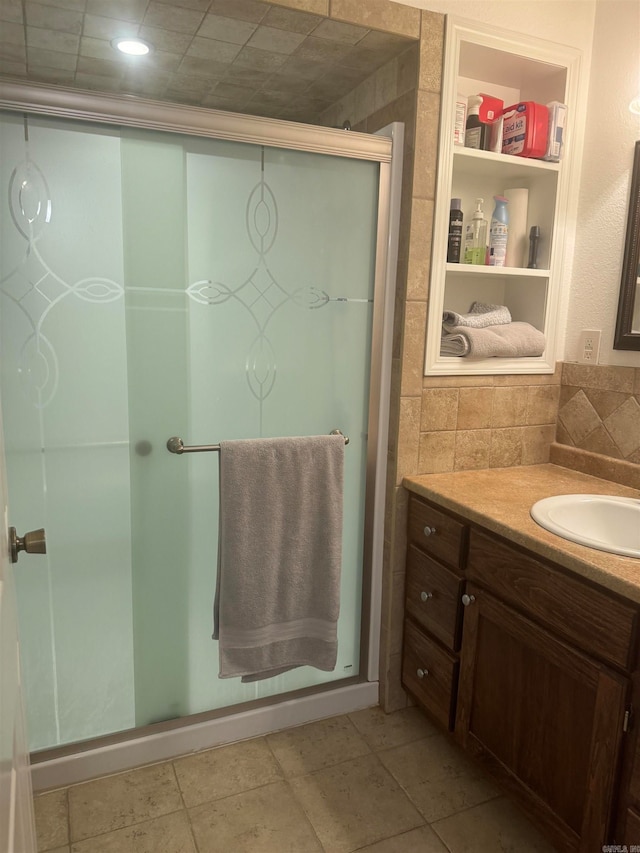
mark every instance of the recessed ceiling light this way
{"type": "Point", "coordinates": [132, 47]}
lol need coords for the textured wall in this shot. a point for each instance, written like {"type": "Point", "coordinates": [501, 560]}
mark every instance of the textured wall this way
{"type": "Point", "coordinates": [608, 153]}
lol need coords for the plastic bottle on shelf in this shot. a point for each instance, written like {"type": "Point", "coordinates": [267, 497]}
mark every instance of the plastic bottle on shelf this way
{"type": "Point", "coordinates": [475, 241]}
{"type": "Point", "coordinates": [499, 232]}
{"type": "Point", "coordinates": [455, 231]}
{"type": "Point", "coordinates": [477, 133]}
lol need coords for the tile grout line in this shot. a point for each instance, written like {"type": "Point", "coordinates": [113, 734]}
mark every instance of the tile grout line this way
{"type": "Point", "coordinates": [184, 808]}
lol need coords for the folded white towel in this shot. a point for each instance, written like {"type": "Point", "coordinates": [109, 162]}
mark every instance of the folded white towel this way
{"type": "Point", "coordinates": [280, 555]}
{"type": "Point", "coordinates": [481, 315]}
{"type": "Point", "coordinates": [511, 340]}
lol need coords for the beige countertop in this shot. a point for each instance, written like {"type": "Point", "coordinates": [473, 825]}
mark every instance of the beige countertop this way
{"type": "Point", "coordinates": [499, 499]}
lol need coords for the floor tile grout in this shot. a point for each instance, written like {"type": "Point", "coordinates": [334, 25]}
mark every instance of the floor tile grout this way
{"type": "Point", "coordinates": [374, 727]}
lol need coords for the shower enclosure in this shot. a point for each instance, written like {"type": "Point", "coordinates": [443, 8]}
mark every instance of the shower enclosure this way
{"type": "Point", "coordinates": [198, 276]}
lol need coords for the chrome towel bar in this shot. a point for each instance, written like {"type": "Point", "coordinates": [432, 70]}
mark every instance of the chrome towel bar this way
{"type": "Point", "coordinates": [176, 445]}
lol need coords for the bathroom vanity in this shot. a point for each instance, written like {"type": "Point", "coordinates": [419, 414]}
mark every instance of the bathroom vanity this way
{"type": "Point", "coordinates": [524, 646]}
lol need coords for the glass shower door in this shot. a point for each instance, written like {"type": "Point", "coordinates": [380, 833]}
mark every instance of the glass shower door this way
{"type": "Point", "coordinates": [155, 285]}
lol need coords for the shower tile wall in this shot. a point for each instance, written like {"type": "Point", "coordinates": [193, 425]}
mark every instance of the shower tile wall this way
{"type": "Point", "coordinates": [236, 55]}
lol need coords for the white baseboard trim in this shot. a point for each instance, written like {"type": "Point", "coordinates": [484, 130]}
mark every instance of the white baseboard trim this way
{"type": "Point", "coordinates": [114, 758]}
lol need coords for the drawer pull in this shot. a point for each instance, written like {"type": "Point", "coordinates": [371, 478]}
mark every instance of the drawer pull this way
{"type": "Point", "coordinates": [422, 672]}
{"type": "Point", "coordinates": [429, 531]}
{"type": "Point", "coordinates": [468, 599]}
{"type": "Point", "coordinates": [425, 596]}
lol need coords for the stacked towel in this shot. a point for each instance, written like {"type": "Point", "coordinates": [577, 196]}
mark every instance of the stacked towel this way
{"type": "Point", "coordinates": [280, 555]}
{"type": "Point", "coordinates": [481, 315]}
{"type": "Point", "coordinates": [510, 340]}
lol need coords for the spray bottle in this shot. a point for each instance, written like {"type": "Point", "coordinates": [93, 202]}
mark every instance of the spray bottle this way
{"type": "Point", "coordinates": [499, 232]}
{"type": "Point", "coordinates": [455, 231]}
{"type": "Point", "coordinates": [475, 241]}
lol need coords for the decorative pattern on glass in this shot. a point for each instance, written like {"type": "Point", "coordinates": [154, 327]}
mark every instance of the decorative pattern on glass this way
{"type": "Point", "coordinates": [36, 288]}
{"type": "Point", "coordinates": [33, 286]}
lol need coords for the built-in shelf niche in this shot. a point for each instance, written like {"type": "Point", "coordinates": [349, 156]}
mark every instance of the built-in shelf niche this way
{"type": "Point", "coordinates": [515, 68]}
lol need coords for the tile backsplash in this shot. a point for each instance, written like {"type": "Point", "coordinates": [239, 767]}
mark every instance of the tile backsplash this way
{"type": "Point", "coordinates": [600, 410]}
{"type": "Point", "coordinates": [486, 421]}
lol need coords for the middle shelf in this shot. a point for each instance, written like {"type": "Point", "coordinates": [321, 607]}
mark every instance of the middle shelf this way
{"type": "Point", "coordinates": [478, 269]}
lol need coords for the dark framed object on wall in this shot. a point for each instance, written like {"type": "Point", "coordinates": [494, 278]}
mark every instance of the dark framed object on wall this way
{"type": "Point", "coordinates": [627, 334]}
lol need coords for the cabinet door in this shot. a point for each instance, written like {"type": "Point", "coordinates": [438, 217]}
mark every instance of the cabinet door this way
{"type": "Point", "coordinates": [547, 718]}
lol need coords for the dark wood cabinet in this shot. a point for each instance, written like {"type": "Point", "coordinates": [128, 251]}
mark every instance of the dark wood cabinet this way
{"type": "Point", "coordinates": [433, 607]}
{"type": "Point", "coordinates": [532, 676]}
{"type": "Point", "coordinates": [547, 718]}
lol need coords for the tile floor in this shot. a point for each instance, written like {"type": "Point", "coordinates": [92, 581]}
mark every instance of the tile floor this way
{"type": "Point", "coordinates": [367, 781]}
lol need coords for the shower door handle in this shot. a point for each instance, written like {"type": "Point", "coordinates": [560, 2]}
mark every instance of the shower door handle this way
{"type": "Point", "coordinates": [33, 542]}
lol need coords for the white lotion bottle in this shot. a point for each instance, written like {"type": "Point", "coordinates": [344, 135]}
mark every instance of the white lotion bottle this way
{"type": "Point", "coordinates": [499, 232]}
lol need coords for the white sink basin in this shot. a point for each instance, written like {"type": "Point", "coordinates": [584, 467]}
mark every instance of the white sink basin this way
{"type": "Point", "coordinates": [599, 521]}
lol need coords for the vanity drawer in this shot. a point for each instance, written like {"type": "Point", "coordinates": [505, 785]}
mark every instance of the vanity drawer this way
{"type": "Point", "coordinates": [436, 533]}
{"type": "Point", "coordinates": [598, 624]}
{"type": "Point", "coordinates": [433, 597]}
{"type": "Point", "coordinates": [436, 687]}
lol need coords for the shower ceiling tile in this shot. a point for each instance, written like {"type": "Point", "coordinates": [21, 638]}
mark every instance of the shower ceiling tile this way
{"type": "Point", "coordinates": [15, 52]}
{"type": "Point", "coordinates": [336, 31]}
{"type": "Point", "coordinates": [13, 33]}
{"type": "Point", "coordinates": [121, 10]}
{"type": "Point", "coordinates": [102, 67]}
{"type": "Point", "coordinates": [276, 41]}
{"type": "Point", "coordinates": [165, 39]}
{"type": "Point", "coordinates": [13, 68]}
{"type": "Point", "coordinates": [239, 94]}
{"type": "Point", "coordinates": [51, 18]}
{"type": "Point", "coordinates": [226, 29]}
{"type": "Point", "coordinates": [259, 60]}
{"type": "Point", "coordinates": [187, 84]}
{"type": "Point", "coordinates": [206, 48]}
{"type": "Point", "coordinates": [52, 59]}
{"type": "Point", "coordinates": [243, 10]}
{"type": "Point", "coordinates": [74, 5]}
{"type": "Point", "coordinates": [322, 50]}
{"type": "Point", "coordinates": [287, 19]}
{"type": "Point", "coordinates": [97, 82]}
{"type": "Point", "coordinates": [96, 26]}
{"type": "Point", "coordinates": [359, 58]}
{"type": "Point", "coordinates": [161, 61]}
{"type": "Point", "coordinates": [326, 89]}
{"type": "Point", "coordinates": [199, 67]}
{"type": "Point", "coordinates": [96, 48]}
{"type": "Point", "coordinates": [266, 56]}
{"type": "Point", "coordinates": [346, 78]}
{"type": "Point", "coordinates": [200, 5]}
{"type": "Point", "coordinates": [377, 40]}
{"type": "Point", "coordinates": [149, 86]}
{"type": "Point", "coordinates": [307, 69]}
{"type": "Point", "coordinates": [11, 11]}
{"type": "Point", "coordinates": [53, 75]}
{"type": "Point", "coordinates": [53, 40]}
{"type": "Point", "coordinates": [283, 82]}
{"type": "Point", "coordinates": [245, 77]}
{"type": "Point", "coordinates": [171, 18]}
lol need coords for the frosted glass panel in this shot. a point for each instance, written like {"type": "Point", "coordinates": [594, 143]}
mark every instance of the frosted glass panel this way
{"type": "Point", "coordinates": [174, 286]}
{"type": "Point", "coordinates": [64, 388]}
